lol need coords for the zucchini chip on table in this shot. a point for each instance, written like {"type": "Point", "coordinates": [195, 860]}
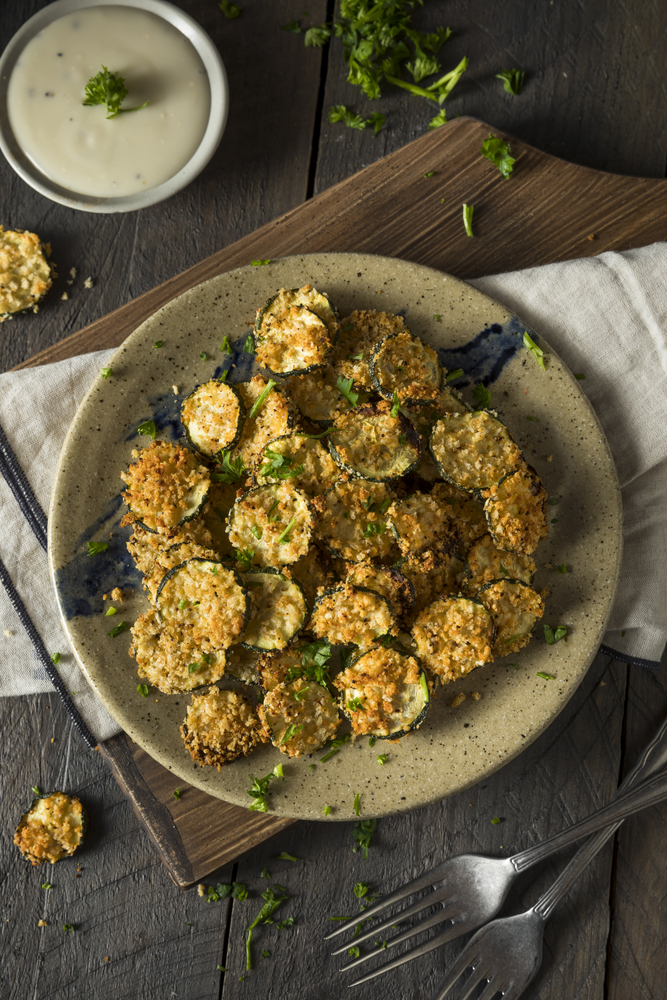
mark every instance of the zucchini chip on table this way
{"type": "Point", "coordinates": [171, 658]}
{"type": "Point", "coordinates": [295, 331]}
{"type": "Point", "coordinates": [454, 635]}
{"type": "Point", "coordinates": [300, 458]}
{"type": "Point", "coordinates": [516, 511]}
{"type": "Point", "coordinates": [51, 829]}
{"type": "Point", "coordinates": [269, 414]}
{"type": "Point", "coordinates": [221, 726]}
{"type": "Point", "coordinates": [207, 596]}
{"type": "Point", "coordinates": [384, 693]}
{"type": "Point", "coordinates": [352, 521]}
{"type": "Point", "coordinates": [486, 562]}
{"type": "Point", "coordinates": [278, 609]}
{"type": "Point", "coordinates": [301, 715]}
{"type": "Point", "coordinates": [370, 442]}
{"type": "Point", "coordinates": [213, 416]}
{"type": "Point", "coordinates": [352, 616]}
{"type": "Point", "coordinates": [25, 273]}
{"type": "Point", "coordinates": [404, 365]}
{"type": "Point", "coordinates": [516, 609]}
{"type": "Point", "coordinates": [274, 521]}
{"type": "Point", "coordinates": [473, 450]}
{"type": "Point", "coordinates": [166, 487]}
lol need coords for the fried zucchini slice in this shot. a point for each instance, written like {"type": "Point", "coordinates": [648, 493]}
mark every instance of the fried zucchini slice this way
{"type": "Point", "coordinates": [360, 332]}
{"type": "Point", "coordinates": [145, 546]}
{"type": "Point", "coordinates": [274, 521]}
{"type": "Point", "coordinates": [387, 581]}
{"type": "Point", "coordinates": [301, 716]}
{"type": "Point", "coordinates": [295, 331]}
{"type": "Point", "coordinates": [465, 512]}
{"type": "Point", "coordinates": [25, 273]}
{"type": "Point", "coordinates": [423, 528]}
{"type": "Point", "coordinates": [423, 418]}
{"type": "Point", "coordinates": [171, 658]}
{"type": "Point", "coordinates": [405, 366]}
{"type": "Point", "coordinates": [221, 726]}
{"type": "Point", "coordinates": [274, 418]}
{"type": "Point", "coordinates": [207, 596]}
{"type": "Point", "coordinates": [352, 616]}
{"type": "Point", "coordinates": [317, 396]}
{"type": "Point", "coordinates": [242, 664]}
{"type": "Point", "coordinates": [473, 450]}
{"type": "Point", "coordinates": [166, 487]}
{"type": "Point", "coordinates": [442, 580]}
{"type": "Point", "coordinates": [173, 556]}
{"type": "Point", "coordinates": [516, 609]}
{"type": "Point", "coordinates": [384, 693]}
{"type": "Point", "coordinates": [52, 828]}
{"type": "Point", "coordinates": [371, 443]}
{"type": "Point", "coordinates": [486, 562]}
{"type": "Point", "coordinates": [453, 635]}
{"type": "Point", "coordinates": [516, 511]}
{"type": "Point", "coordinates": [352, 520]}
{"type": "Point", "coordinates": [213, 416]}
{"type": "Point", "coordinates": [278, 609]}
{"type": "Point", "coordinates": [301, 459]}
{"type": "Point", "coordinates": [278, 667]}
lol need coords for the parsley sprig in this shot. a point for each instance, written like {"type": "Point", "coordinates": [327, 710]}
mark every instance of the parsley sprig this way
{"type": "Point", "coordinates": [536, 351]}
{"type": "Point", "coordinates": [231, 469]}
{"type": "Point", "coordinates": [363, 833]}
{"type": "Point", "coordinates": [274, 896]}
{"type": "Point", "coordinates": [467, 218]}
{"type": "Point", "coordinates": [341, 113]}
{"type": "Point", "coordinates": [498, 151]}
{"type": "Point", "coordinates": [279, 466]}
{"type": "Point", "coordinates": [554, 635]}
{"type": "Point", "coordinates": [512, 81]}
{"type": "Point", "coordinates": [259, 402]}
{"type": "Point", "coordinates": [344, 386]}
{"type": "Point", "coordinates": [259, 789]}
{"type": "Point", "coordinates": [108, 89]}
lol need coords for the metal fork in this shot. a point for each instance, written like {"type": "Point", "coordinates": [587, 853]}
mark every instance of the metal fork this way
{"type": "Point", "coordinates": [473, 888]}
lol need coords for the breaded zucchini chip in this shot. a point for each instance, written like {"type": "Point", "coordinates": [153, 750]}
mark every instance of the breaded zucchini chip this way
{"type": "Point", "coordinates": [486, 562]}
{"type": "Point", "coordinates": [516, 609]}
{"type": "Point", "coordinates": [384, 693]}
{"type": "Point", "coordinates": [317, 396]}
{"type": "Point", "coordinates": [423, 528]}
{"type": "Point", "coordinates": [165, 488]}
{"type": "Point", "coordinates": [388, 581]}
{"type": "Point", "coordinates": [405, 366]}
{"type": "Point", "coordinates": [278, 609]}
{"type": "Point", "coordinates": [145, 546]}
{"type": "Point", "coordinates": [301, 715]}
{"type": "Point", "coordinates": [360, 332]}
{"type": "Point", "coordinates": [301, 459]}
{"type": "Point", "coordinates": [207, 596]}
{"type": "Point", "coordinates": [442, 580]}
{"type": "Point", "coordinates": [52, 828]}
{"type": "Point", "coordinates": [221, 726]}
{"type": "Point", "coordinates": [273, 418]}
{"type": "Point", "coordinates": [473, 450]}
{"type": "Point", "coordinates": [352, 616]}
{"type": "Point", "coordinates": [295, 331]}
{"type": "Point", "coordinates": [424, 417]}
{"type": "Point", "coordinates": [213, 416]}
{"type": "Point", "coordinates": [453, 636]}
{"type": "Point", "coordinates": [274, 521]}
{"type": "Point", "coordinates": [25, 273]}
{"type": "Point", "coordinates": [171, 658]}
{"type": "Point", "coordinates": [516, 511]}
{"type": "Point", "coordinates": [352, 522]}
{"type": "Point", "coordinates": [371, 442]}
{"type": "Point", "coordinates": [465, 512]}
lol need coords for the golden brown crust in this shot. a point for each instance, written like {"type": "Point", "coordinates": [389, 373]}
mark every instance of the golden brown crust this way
{"type": "Point", "coordinates": [360, 332]}
{"type": "Point", "coordinates": [163, 485]}
{"type": "Point", "coordinates": [221, 726]}
{"type": "Point", "coordinates": [454, 635]}
{"type": "Point", "coordinates": [516, 608]}
{"type": "Point", "coordinates": [52, 828]}
{"type": "Point", "coordinates": [379, 680]}
{"type": "Point", "coordinates": [516, 511]}
{"type": "Point", "coordinates": [173, 659]}
{"type": "Point", "coordinates": [25, 273]}
{"type": "Point", "coordinates": [352, 615]}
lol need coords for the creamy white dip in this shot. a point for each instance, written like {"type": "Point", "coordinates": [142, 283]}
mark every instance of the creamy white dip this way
{"type": "Point", "coordinates": [77, 146]}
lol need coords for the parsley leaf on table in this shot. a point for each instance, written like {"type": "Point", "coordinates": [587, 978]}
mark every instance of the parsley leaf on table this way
{"type": "Point", "coordinates": [512, 81]}
{"type": "Point", "coordinates": [498, 151]}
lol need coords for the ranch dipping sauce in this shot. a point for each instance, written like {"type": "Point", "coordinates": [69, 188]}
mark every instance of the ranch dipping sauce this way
{"type": "Point", "coordinates": [76, 146]}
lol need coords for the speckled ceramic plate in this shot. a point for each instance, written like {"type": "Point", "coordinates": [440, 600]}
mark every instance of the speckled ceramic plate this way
{"type": "Point", "coordinates": [456, 747]}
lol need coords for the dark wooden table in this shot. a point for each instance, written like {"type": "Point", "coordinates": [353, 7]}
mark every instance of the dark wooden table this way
{"type": "Point", "coordinates": [596, 95]}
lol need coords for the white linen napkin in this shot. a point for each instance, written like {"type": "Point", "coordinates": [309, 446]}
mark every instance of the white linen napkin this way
{"type": "Point", "coordinates": [605, 317]}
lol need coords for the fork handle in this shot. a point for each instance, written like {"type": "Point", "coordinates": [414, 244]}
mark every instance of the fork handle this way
{"type": "Point", "coordinates": [652, 761]}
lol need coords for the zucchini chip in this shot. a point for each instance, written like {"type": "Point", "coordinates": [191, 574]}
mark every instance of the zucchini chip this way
{"type": "Point", "coordinates": [352, 520]}
{"type": "Point", "coordinates": [516, 609]}
{"type": "Point", "coordinates": [404, 365]}
{"type": "Point", "coordinates": [278, 609]}
{"type": "Point", "coordinates": [213, 416]}
{"type": "Point", "coordinates": [284, 665]}
{"type": "Point", "coordinates": [300, 458]}
{"type": "Point", "coordinates": [454, 635]}
{"type": "Point", "coordinates": [442, 580]}
{"type": "Point", "coordinates": [423, 528]}
{"type": "Point", "coordinates": [360, 332]}
{"type": "Point", "coordinates": [221, 497]}
{"type": "Point", "coordinates": [486, 562]}
{"type": "Point", "coordinates": [352, 616]}
{"type": "Point", "coordinates": [170, 557]}
{"type": "Point", "coordinates": [242, 664]}
{"type": "Point", "coordinates": [301, 715]}
{"type": "Point", "coordinates": [52, 828]}
{"type": "Point", "coordinates": [384, 693]}
{"type": "Point", "coordinates": [274, 418]}
{"type": "Point", "coordinates": [171, 658]}
{"type": "Point", "coordinates": [423, 419]}
{"type": "Point", "coordinates": [165, 488]}
{"type": "Point", "coordinates": [25, 274]}
{"type": "Point", "coordinates": [387, 581]}
{"type": "Point", "coordinates": [207, 596]}
{"type": "Point", "coordinates": [295, 331]}
{"type": "Point", "coordinates": [312, 572]}
{"type": "Point", "coordinates": [275, 522]}
{"type": "Point", "coordinates": [145, 546]}
{"type": "Point", "coordinates": [473, 450]}
{"type": "Point", "coordinates": [317, 396]}
{"type": "Point", "coordinates": [465, 512]}
{"type": "Point", "coordinates": [221, 726]}
{"type": "Point", "coordinates": [370, 443]}
{"type": "Point", "coordinates": [516, 511]}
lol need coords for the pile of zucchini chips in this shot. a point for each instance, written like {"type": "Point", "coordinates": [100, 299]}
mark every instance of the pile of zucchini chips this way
{"type": "Point", "coordinates": [347, 511]}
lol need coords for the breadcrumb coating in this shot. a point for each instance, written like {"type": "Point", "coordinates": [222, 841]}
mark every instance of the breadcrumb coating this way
{"type": "Point", "coordinates": [221, 726]}
{"type": "Point", "coordinates": [164, 487]}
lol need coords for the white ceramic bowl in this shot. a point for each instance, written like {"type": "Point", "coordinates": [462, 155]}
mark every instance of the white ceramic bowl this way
{"type": "Point", "coordinates": [217, 79]}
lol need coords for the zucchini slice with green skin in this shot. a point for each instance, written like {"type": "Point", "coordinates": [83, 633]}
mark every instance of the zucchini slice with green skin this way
{"type": "Point", "coordinates": [473, 450]}
{"type": "Point", "coordinates": [384, 693]}
{"type": "Point", "coordinates": [52, 828]}
{"type": "Point", "coordinates": [317, 396]}
{"type": "Point", "coordinates": [301, 716]}
{"type": "Point", "coordinates": [207, 596]}
{"type": "Point", "coordinates": [423, 528]}
{"type": "Point", "coordinates": [423, 419]}
{"type": "Point", "coordinates": [25, 273]}
{"type": "Point", "coordinates": [352, 521]}
{"type": "Point", "coordinates": [465, 512]}
{"type": "Point", "coordinates": [171, 658]}
{"type": "Point", "coordinates": [352, 616]}
{"type": "Point", "coordinates": [165, 488]}
{"type": "Point", "coordinates": [274, 521]}
{"type": "Point", "coordinates": [301, 459]}
{"type": "Point", "coordinates": [453, 635]}
{"type": "Point", "coordinates": [278, 609]}
{"type": "Point", "coordinates": [404, 365]}
{"type": "Point", "coordinates": [442, 580]}
{"type": "Point", "coordinates": [146, 546]}
{"type": "Point", "coordinates": [485, 562]}
{"type": "Point", "coordinates": [221, 726]}
{"type": "Point", "coordinates": [360, 332]}
{"type": "Point", "coordinates": [278, 307]}
{"type": "Point", "coordinates": [242, 664]}
{"type": "Point", "coordinates": [279, 667]}
{"type": "Point", "coordinates": [516, 609]}
{"type": "Point", "coordinates": [170, 557]}
{"type": "Point", "coordinates": [295, 331]}
{"type": "Point", "coordinates": [274, 418]}
{"type": "Point", "coordinates": [516, 511]}
{"type": "Point", "coordinates": [387, 581]}
{"type": "Point", "coordinates": [370, 443]}
{"type": "Point", "coordinates": [213, 416]}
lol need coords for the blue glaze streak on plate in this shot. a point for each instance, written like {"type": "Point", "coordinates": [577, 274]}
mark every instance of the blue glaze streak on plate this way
{"type": "Point", "coordinates": [484, 357]}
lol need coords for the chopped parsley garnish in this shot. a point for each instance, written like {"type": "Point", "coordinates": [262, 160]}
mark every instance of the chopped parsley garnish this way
{"type": "Point", "coordinates": [265, 873]}
{"type": "Point", "coordinates": [536, 351]}
{"type": "Point", "coordinates": [534, 419]}
{"type": "Point", "coordinates": [335, 746]}
{"type": "Point", "coordinates": [363, 832]}
{"type": "Point", "coordinates": [374, 528]}
{"type": "Point", "coordinates": [372, 740]}
{"type": "Point", "coordinates": [46, 885]}
{"type": "Point", "coordinates": [106, 372]}
{"type": "Point", "coordinates": [562, 568]}
{"type": "Point", "coordinates": [223, 377]}
{"type": "Point", "coordinates": [503, 570]}
{"type": "Point", "coordinates": [202, 355]}
{"type": "Point", "coordinates": [284, 856]}
{"type": "Point", "coordinates": [229, 9]}
{"type": "Point", "coordinates": [357, 805]}
{"type": "Point", "coordinates": [340, 113]}
{"type": "Point", "coordinates": [245, 558]}
{"type": "Point", "coordinates": [377, 120]}
{"type": "Point", "coordinates": [431, 173]}
{"type": "Point", "coordinates": [147, 428]}
{"type": "Point", "coordinates": [326, 810]}
{"type": "Point", "coordinates": [554, 520]}
{"type": "Point", "coordinates": [482, 395]}
{"type": "Point", "coordinates": [177, 793]}
{"type": "Point", "coordinates": [498, 151]}
{"type": "Point", "coordinates": [120, 627]}
{"type": "Point", "coordinates": [438, 91]}
{"type": "Point", "coordinates": [513, 638]}
{"type": "Point", "coordinates": [512, 81]}
{"type": "Point", "coordinates": [143, 690]}
{"type": "Point", "coordinates": [158, 344]}
{"type": "Point", "coordinates": [226, 346]}
{"type": "Point", "coordinates": [457, 373]}
{"type": "Point", "coordinates": [283, 538]}
{"type": "Point", "coordinates": [402, 439]}
{"type": "Point", "coordinates": [553, 501]}
{"type": "Point", "coordinates": [496, 820]}
{"type": "Point", "coordinates": [315, 658]}
{"type": "Point", "coordinates": [111, 611]}
{"type": "Point", "coordinates": [314, 436]}
{"type": "Point", "coordinates": [266, 953]}
{"type": "Point", "coordinates": [259, 402]}
{"type": "Point", "coordinates": [347, 328]}
{"type": "Point", "coordinates": [355, 704]}
{"type": "Point", "coordinates": [546, 677]}
{"type": "Point", "coordinates": [36, 790]}
{"type": "Point", "coordinates": [580, 376]}
{"type": "Point", "coordinates": [249, 345]}
{"type": "Point", "coordinates": [108, 89]}
{"type": "Point", "coordinates": [193, 667]}
{"type": "Point", "coordinates": [344, 386]}
{"type": "Point", "coordinates": [95, 547]}
{"type": "Point", "coordinates": [56, 658]}
{"type": "Point", "coordinates": [293, 26]}
{"type": "Point", "coordinates": [467, 218]}
{"type": "Point", "coordinates": [301, 693]}
{"type": "Point", "coordinates": [257, 532]}
{"type": "Point", "coordinates": [260, 263]}
{"type": "Point", "coordinates": [222, 890]}
{"type": "Point", "coordinates": [271, 516]}
{"type": "Point", "coordinates": [232, 470]}
{"type": "Point", "coordinates": [437, 317]}
{"type": "Point", "coordinates": [260, 789]}
{"type": "Point", "coordinates": [291, 731]}
{"type": "Point", "coordinates": [182, 604]}
{"type": "Point", "coordinates": [552, 636]}
{"type": "Point", "coordinates": [317, 36]}
{"type": "Point", "coordinates": [278, 466]}
{"type": "Point", "coordinates": [287, 922]}
{"type": "Point", "coordinates": [354, 952]}
{"type": "Point", "coordinates": [440, 119]}
{"type": "Point", "coordinates": [395, 405]}
{"type": "Point", "coordinates": [274, 896]}
{"type": "Point", "coordinates": [68, 928]}
{"type": "Point", "coordinates": [382, 758]}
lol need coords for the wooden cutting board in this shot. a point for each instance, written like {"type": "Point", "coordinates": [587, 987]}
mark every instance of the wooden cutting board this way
{"type": "Point", "coordinates": [549, 210]}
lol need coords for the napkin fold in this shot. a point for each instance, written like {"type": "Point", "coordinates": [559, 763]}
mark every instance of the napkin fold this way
{"type": "Point", "coordinates": [605, 316]}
